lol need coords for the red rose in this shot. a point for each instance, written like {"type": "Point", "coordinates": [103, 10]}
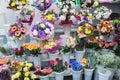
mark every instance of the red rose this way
{"type": "Point", "coordinates": [52, 62]}
{"type": "Point", "coordinates": [33, 69]}
{"type": "Point", "coordinates": [37, 73]}
{"type": "Point", "coordinates": [66, 64]}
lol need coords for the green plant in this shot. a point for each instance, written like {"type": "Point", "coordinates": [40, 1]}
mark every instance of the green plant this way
{"type": "Point", "coordinates": [66, 49]}
{"type": "Point", "coordinates": [80, 43]}
{"type": "Point", "coordinates": [4, 50]}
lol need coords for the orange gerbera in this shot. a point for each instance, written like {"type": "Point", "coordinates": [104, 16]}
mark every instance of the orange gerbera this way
{"type": "Point", "coordinates": [13, 28]}
{"type": "Point", "coordinates": [23, 30]}
{"type": "Point", "coordinates": [17, 33]}
{"type": "Point", "coordinates": [83, 61]}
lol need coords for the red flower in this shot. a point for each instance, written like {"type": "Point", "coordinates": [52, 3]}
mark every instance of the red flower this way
{"type": "Point", "coordinates": [33, 69]}
{"type": "Point", "coordinates": [107, 45]}
{"type": "Point", "coordinates": [66, 64]}
{"type": "Point", "coordinates": [52, 62]}
{"type": "Point", "coordinates": [37, 73]}
{"type": "Point", "coordinates": [57, 59]}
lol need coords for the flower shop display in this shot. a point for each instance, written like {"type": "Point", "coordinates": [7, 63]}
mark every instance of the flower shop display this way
{"type": "Point", "coordinates": [90, 66]}
{"type": "Point", "coordinates": [42, 5]}
{"type": "Point", "coordinates": [22, 71]}
{"type": "Point", "coordinates": [84, 29]}
{"type": "Point", "coordinates": [4, 72]}
{"type": "Point", "coordinates": [19, 54]}
{"type": "Point", "coordinates": [49, 15]}
{"type": "Point", "coordinates": [79, 48]}
{"type": "Point", "coordinates": [58, 69]}
{"type": "Point", "coordinates": [16, 4]}
{"type": "Point", "coordinates": [35, 51]}
{"type": "Point", "coordinates": [102, 13]}
{"type": "Point", "coordinates": [66, 50]}
{"type": "Point", "coordinates": [89, 3]}
{"type": "Point", "coordinates": [43, 74]}
{"type": "Point", "coordinates": [76, 70]}
{"type": "Point", "coordinates": [18, 33]}
{"type": "Point", "coordinates": [42, 30]}
{"type": "Point", "coordinates": [51, 47]}
{"type": "Point", "coordinates": [26, 15]}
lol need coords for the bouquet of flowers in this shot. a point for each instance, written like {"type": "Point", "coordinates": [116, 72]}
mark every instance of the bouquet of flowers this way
{"type": "Point", "coordinates": [32, 49]}
{"type": "Point", "coordinates": [89, 3]}
{"type": "Point", "coordinates": [56, 67]}
{"type": "Point", "coordinates": [42, 5]}
{"type": "Point", "coordinates": [42, 31]}
{"type": "Point", "coordinates": [18, 52]}
{"type": "Point", "coordinates": [49, 16]}
{"type": "Point", "coordinates": [105, 27]}
{"type": "Point", "coordinates": [44, 72]}
{"type": "Point", "coordinates": [70, 44]}
{"type": "Point", "coordinates": [26, 15]}
{"type": "Point", "coordinates": [83, 62]}
{"type": "Point", "coordinates": [16, 4]}
{"type": "Point", "coordinates": [17, 31]}
{"type": "Point", "coordinates": [102, 13]}
{"type": "Point", "coordinates": [23, 72]}
{"type": "Point", "coordinates": [4, 72]}
{"type": "Point", "coordinates": [84, 30]}
{"type": "Point", "coordinates": [52, 46]}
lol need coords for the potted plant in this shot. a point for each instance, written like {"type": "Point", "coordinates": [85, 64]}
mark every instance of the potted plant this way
{"type": "Point", "coordinates": [76, 70]}
{"type": "Point", "coordinates": [66, 50]}
{"type": "Point", "coordinates": [19, 54]}
{"type": "Point", "coordinates": [35, 51]}
{"type": "Point", "coordinates": [90, 66]}
{"type": "Point", "coordinates": [22, 72]}
{"type": "Point", "coordinates": [51, 47]}
{"type": "Point", "coordinates": [43, 74]}
{"type": "Point", "coordinates": [79, 48]}
{"type": "Point", "coordinates": [58, 69]}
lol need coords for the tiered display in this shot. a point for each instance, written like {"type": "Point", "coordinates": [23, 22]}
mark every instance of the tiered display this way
{"type": "Point", "coordinates": [94, 48]}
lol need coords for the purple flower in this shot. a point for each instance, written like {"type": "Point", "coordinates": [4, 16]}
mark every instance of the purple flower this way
{"type": "Point", "coordinates": [41, 33]}
{"type": "Point", "coordinates": [49, 27]}
{"type": "Point", "coordinates": [33, 28]}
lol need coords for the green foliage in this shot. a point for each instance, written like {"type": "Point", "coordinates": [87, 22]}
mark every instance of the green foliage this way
{"type": "Point", "coordinates": [58, 68]}
{"type": "Point", "coordinates": [4, 50]}
{"type": "Point", "coordinates": [66, 49]}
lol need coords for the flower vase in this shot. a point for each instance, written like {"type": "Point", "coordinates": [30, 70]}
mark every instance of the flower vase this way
{"type": "Point", "coordinates": [53, 56]}
{"type": "Point", "coordinates": [112, 73]}
{"type": "Point", "coordinates": [76, 75]}
{"type": "Point", "coordinates": [44, 77]}
{"type": "Point", "coordinates": [104, 51]}
{"type": "Point", "coordinates": [79, 55]}
{"type": "Point", "coordinates": [88, 73]}
{"type": "Point", "coordinates": [59, 75]}
{"type": "Point", "coordinates": [104, 75]}
{"type": "Point", "coordinates": [37, 60]}
{"type": "Point", "coordinates": [65, 57]}
{"type": "Point", "coordinates": [18, 43]}
{"type": "Point", "coordinates": [44, 56]}
{"type": "Point", "coordinates": [67, 29]}
{"type": "Point", "coordinates": [20, 58]}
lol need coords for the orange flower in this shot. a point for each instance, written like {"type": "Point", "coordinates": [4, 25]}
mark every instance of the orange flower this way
{"type": "Point", "coordinates": [14, 28]}
{"type": "Point", "coordinates": [80, 32]}
{"type": "Point", "coordinates": [23, 30]}
{"type": "Point", "coordinates": [108, 30]}
{"type": "Point", "coordinates": [99, 29]}
{"type": "Point", "coordinates": [17, 33]}
{"type": "Point", "coordinates": [31, 47]}
{"type": "Point", "coordinates": [41, 45]}
{"type": "Point", "coordinates": [101, 44]}
{"type": "Point", "coordinates": [83, 61]}
{"type": "Point", "coordinates": [90, 27]}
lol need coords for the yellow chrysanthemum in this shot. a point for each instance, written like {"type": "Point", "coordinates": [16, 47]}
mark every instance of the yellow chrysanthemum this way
{"type": "Point", "coordinates": [13, 4]}
{"type": "Point", "coordinates": [21, 63]}
{"type": "Point", "coordinates": [33, 76]}
{"type": "Point", "coordinates": [87, 31]}
{"type": "Point", "coordinates": [27, 74]}
{"type": "Point", "coordinates": [49, 17]}
{"type": "Point", "coordinates": [29, 65]}
{"type": "Point", "coordinates": [23, 2]}
{"type": "Point", "coordinates": [25, 69]}
{"type": "Point", "coordinates": [26, 78]}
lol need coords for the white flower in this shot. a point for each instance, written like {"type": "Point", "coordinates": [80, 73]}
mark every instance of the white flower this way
{"type": "Point", "coordinates": [42, 25]}
{"type": "Point", "coordinates": [103, 30]}
{"type": "Point", "coordinates": [72, 11]}
{"type": "Point", "coordinates": [35, 32]}
{"type": "Point", "coordinates": [47, 31]}
{"type": "Point", "coordinates": [37, 22]}
{"type": "Point", "coordinates": [72, 18]}
{"type": "Point", "coordinates": [62, 17]}
{"type": "Point", "coordinates": [65, 10]}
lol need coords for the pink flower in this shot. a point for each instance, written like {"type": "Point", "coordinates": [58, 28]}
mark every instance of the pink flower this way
{"type": "Point", "coordinates": [106, 45]}
{"type": "Point", "coordinates": [112, 43]}
{"type": "Point", "coordinates": [52, 62]}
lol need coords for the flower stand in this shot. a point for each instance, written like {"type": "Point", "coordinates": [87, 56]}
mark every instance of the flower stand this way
{"type": "Point", "coordinates": [59, 76]}
{"type": "Point", "coordinates": [44, 77]}
{"type": "Point", "coordinates": [79, 55]}
{"type": "Point", "coordinates": [88, 73]}
{"type": "Point", "coordinates": [67, 29]}
{"type": "Point", "coordinates": [104, 75]}
{"type": "Point", "coordinates": [37, 60]}
{"type": "Point", "coordinates": [76, 75]}
{"type": "Point", "coordinates": [53, 56]}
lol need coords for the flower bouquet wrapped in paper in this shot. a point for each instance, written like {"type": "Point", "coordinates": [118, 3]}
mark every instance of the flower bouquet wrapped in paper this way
{"type": "Point", "coordinates": [42, 31]}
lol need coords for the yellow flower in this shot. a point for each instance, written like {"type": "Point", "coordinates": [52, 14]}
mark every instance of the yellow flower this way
{"type": "Point", "coordinates": [23, 2]}
{"type": "Point", "coordinates": [13, 77]}
{"type": "Point", "coordinates": [27, 74]}
{"type": "Point", "coordinates": [18, 73]}
{"type": "Point", "coordinates": [55, 11]}
{"type": "Point", "coordinates": [87, 31]}
{"type": "Point", "coordinates": [49, 17]}
{"type": "Point", "coordinates": [13, 4]}
{"type": "Point", "coordinates": [21, 63]}
{"type": "Point", "coordinates": [90, 16]}
{"type": "Point", "coordinates": [80, 29]}
{"type": "Point", "coordinates": [33, 76]}
{"type": "Point", "coordinates": [26, 78]}
{"type": "Point", "coordinates": [25, 69]}
{"type": "Point", "coordinates": [29, 65]}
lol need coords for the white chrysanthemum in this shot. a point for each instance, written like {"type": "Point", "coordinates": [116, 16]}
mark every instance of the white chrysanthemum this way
{"type": "Point", "coordinates": [62, 17]}
{"type": "Point", "coordinates": [64, 10]}
{"type": "Point", "coordinates": [42, 25]}
{"type": "Point", "coordinates": [47, 31]}
{"type": "Point", "coordinates": [35, 32]}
